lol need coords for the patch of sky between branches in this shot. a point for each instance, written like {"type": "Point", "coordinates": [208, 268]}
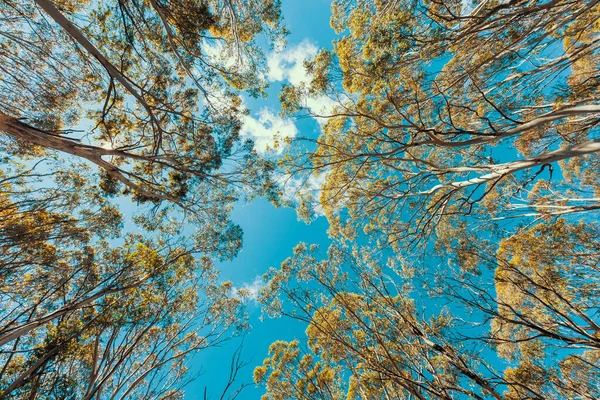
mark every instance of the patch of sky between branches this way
{"type": "Point", "coordinates": [269, 131]}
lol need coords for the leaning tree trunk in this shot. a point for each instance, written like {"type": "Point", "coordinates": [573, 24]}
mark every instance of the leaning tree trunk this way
{"type": "Point", "coordinates": [23, 132]}
{"type": "Point", "coordinates": [497, 171]}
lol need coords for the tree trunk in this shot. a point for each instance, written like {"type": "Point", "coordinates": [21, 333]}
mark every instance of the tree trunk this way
{"type": "Point", "coordinates": [26, 133]}
{"type": "Point", "coordinates": [500, 170]}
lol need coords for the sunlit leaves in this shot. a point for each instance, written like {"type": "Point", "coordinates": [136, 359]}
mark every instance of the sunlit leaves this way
{"type": "Point", "coordinates": [433, 98]}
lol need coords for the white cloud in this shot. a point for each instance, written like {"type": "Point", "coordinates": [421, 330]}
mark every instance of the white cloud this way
{"type": "Point", "coordinates": [249, 291]}
{"type": "Point", "coordinates": [269, 131]}
{"type": "Point", "coordinates": [289, 64]}
{"type": "Point", "coordinates": [218, 53]}
{"type": "Point", "coordinates": [321, 105]}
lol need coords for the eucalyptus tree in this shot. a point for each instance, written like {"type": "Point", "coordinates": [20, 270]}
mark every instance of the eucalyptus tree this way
{"type": "Point", "coordinates": [380, 329]}
{"type": "Point", "coordinates": [543, 308]}
{"type": "Point", "coordinates": [453, 108]}
{"type": "Point", "coordinates": [448, 114]}
{"type": "Point", "coordinates": [81, 318]}
{"type": "Point", "coordinates": [107, 99]}
{"type": "Point", "coordinates": [152, 85]}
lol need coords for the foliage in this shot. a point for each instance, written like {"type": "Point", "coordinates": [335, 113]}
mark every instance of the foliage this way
{"type": "Point", "coordinates": [448, 112]}
{"type": "Point", "coordinates": [81, 318]}
{"type": "Point", "coordinates": [106, 99]}
{"type": "Point", "coordinates": [154, 86]}
{"type": "Point", "coordinates": [450, 116]}
{"type": "Point", "coordinates": [374, 333]}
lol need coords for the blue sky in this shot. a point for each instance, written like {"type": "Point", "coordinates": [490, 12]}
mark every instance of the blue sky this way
{"type": "Point", "coordinates": [269, 233]}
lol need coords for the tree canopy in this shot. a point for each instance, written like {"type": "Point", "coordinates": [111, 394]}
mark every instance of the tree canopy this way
{"type": "Point", "coordinates": [450, 109]}
{"type": "Point", "coordinates": [83, 319]}
{"type": "Point", "coordinates": [461, 151]}
{"type": "Point", "coordinates": [374, 333]}
{"type": "Point", "coordinates": [457, 165]}
{"type": "Point", "coordinates": [101, 101]}
{"type": "Point", "coordinates": [151, 84]}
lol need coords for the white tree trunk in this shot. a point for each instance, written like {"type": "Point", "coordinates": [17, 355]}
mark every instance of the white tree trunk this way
{"type": "Point", "coordinates": [500, 170]}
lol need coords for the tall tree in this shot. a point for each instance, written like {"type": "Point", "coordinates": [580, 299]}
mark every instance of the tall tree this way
{"type": "Point", "coordinates": [83, 319]}
{"type": "Point", "coordinates": [544, 307]}
{"type": "Point", "coordinates": [380, 331]}
{"type": "Point", "coordinates": [447, 110]}
{"type": "Point", "coordinates": [103, 99]}
{"type": "Point", "coordinates": [151, 83]}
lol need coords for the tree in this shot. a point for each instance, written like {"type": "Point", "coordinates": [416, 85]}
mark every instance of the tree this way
{"type": "Point", "coordinates": [367, 338]}
{"type": "Point", "coordinates": [83, 319]}
{"type": "Point", "coordinates": [546, 300]}
{"type": "Point", "coordinates": [377, 329]}
{"type": "Point", "coordinates": [161, 114]}
{"type": "Point", "coordinates": [87, 311]}
{"type": "Point", "coordinates": [433, 99]}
